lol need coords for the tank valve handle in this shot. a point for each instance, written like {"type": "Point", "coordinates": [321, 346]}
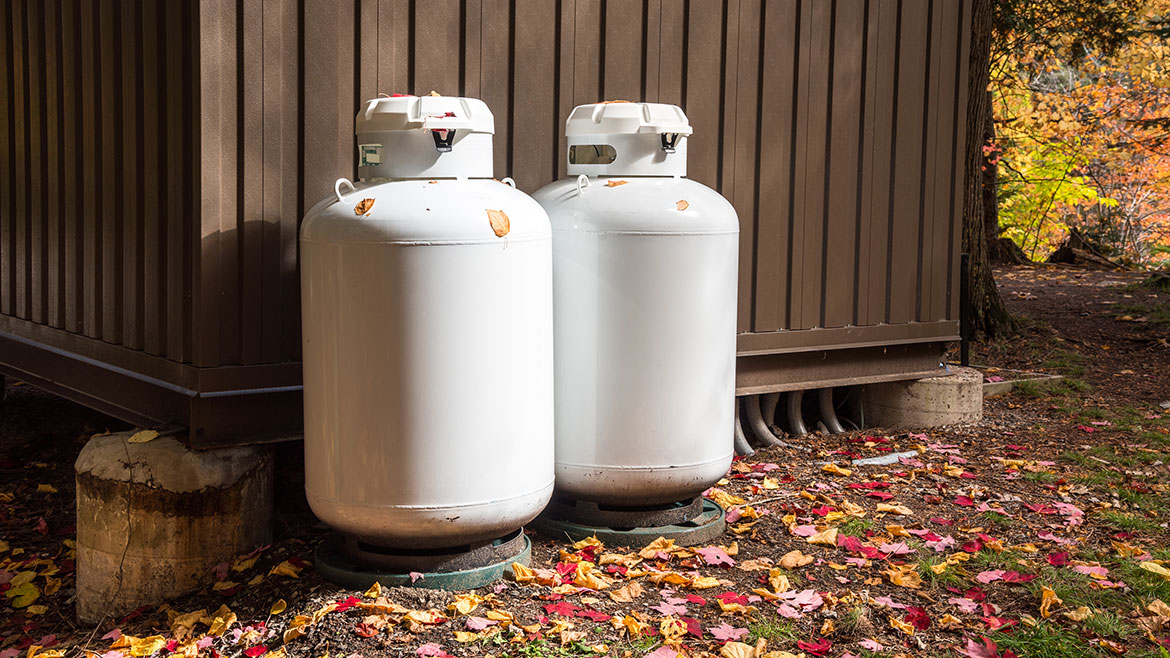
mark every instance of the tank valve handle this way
{"type": "Point", "coordinates": [443, 139]}
{"type": "Point", "coordinates": [669, 142]}
{"type": "Point", "coordinates": [582, 184]}
{"type": "Point", "coordinates": [509, 182]}
{"type": "Point", "coordinates": [337, 188]}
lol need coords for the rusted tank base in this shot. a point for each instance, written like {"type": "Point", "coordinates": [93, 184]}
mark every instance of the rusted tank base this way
{"type": "Point", "coordinates": [701, 529]}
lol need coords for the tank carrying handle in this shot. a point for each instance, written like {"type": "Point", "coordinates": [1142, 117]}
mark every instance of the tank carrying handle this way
{"type": "Point", "coordinates": [337, 188]}
{"type": "Point", "coordinates": [582, 184]}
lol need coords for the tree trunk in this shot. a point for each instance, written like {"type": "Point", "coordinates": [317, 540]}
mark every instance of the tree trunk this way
{"type": "Point", "coordinates": [989, 316]}
{"type": "Point", "coordinates": [990, 175]}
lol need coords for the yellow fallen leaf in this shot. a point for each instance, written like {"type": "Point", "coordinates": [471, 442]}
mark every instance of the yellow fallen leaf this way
{"type": "Point", "coordinates": [904, 576]}
{"type": "Point", "coordinates": [35, 652]}
{"type": "Point", "coordinates": [901, 625]}
{"type": "Point", "coordinates": [46, 488]}
{"type": "Point", "coordinates": [364, 206]}
{"type": "Point", "coordinates": [21, 578]}
{"type": "Point", "coordinates": [627, 593]}
{"type": "Point", "coordinates": [1158, 607]}
{"type": "Point", "coordinates": [1048, 598]}
{"type": "Point", "coordinates": [828, 627]}
{"type": "Point", "coordinates": [725, 499]}
{"type": "Point", "coordinates": [23, 596]}
{"type": "Point", "coordinates": [1154, 567]}
{"type": "Point", "coordinates": [939, 568]}
{"type": "Point", "coordinates": [224, 584]}
{"type": "Point", "coordinates": [587, 542]}
{"type": "Point", "coordinates": [147, 645]}
{"type": "Point", "coordinates": [778, 581]}
{"type": "Point", "coordinates": [499, 222]}
{"type": "Point", "coordinates": [466, 636]}
{"type": "Point", "coordinates": [682, 205]}
{"type": "Point", "coordinates": [588, 576]}
{"type": "Point", "coordinates": [703, 582]}
{"type": "Point", "coordinates": [769, 483]}
{"type": "Point", "coordinates": [836, 470]}
{"type": "Point", "coordinates": [949, 621]}
{"type": "Point", "coordinates": [673, 631]}
{"type": "Point", "coordinates": [244, 562]}
{"type": "Point", "coordinates": [222, 621]}
{"type": "Point", "coordinates": [505, 618]}
{"type": "Point", "coordinates": [3, 546]}
{"type": "Point", "coordinates": [895, 531]}
{"type": "Point", "coordinates": [615, 183]}
{"type": "Point", "coordinates": [286, 568]}
{"type": "Point", "coordinates": [37, 609]}
{"type": "Point", "coordinates": [1080, 614]}
{"type": "Point", "coordinates": [631, 626]}
{"type": "Point", "coordinates": [893, 508]}
{"type": "Point", "coordinates": [795, 559]}
{"type": "Point", "coordinates": [737, 650]}
{"type": "Point", "coordinates": [660, 545]}
{"type": "Point", "coordinates": [374, 592]}
{"type": "Point", "coordinates": [142, 436]}
{"type": "Point", "coordinates": [465, 603]}
{"type": "Point", "coordinates": [826, 537]}
{"type": "Point", "coordinates": [256, 580]}
{"type": "Point", "coordinates": [278, 607]}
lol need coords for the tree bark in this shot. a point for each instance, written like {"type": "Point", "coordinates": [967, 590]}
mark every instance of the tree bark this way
{"type": "Point", "coordinates": [988, 314]}
{"type": "Point", "coordinates": [990, 175]}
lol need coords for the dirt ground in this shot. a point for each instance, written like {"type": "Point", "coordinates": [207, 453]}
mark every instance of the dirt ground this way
{"type": "Point", "coordinates": [1041, 531]}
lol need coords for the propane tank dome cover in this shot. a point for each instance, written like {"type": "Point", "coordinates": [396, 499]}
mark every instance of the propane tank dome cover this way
{"type": "Point", "coordinates": [424, 113]}
{"type": "Point", "coordinates": [627, 139]}
{"type": "Point", "coordinates": [620, 118]}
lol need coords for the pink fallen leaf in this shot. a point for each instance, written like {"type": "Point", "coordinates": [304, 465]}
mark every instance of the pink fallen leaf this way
{"type": "Point", "coordinates": [715, 556]}
{"type": "Point", "coordinates": [666, 609]}
{"type": "Point", "coordinates": [990, 576]}
{"type": "Point", "coordinates": [430, 650]}
{"type": "Point", "coordinates": [113, 635]}
{"type": "Point", "coordinates": [964, 604]}
{"type": "Point", "coordinates": [726, 632]}
{"type": "Point", "coordinates": [415, 576]}
{"type": "Point", "coordinates": [663, 651]}
{"type": "Point", "coordinates": [985, 649]}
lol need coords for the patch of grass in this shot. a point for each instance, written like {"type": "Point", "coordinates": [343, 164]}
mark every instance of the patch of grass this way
{"type": "Point", "coordinates": [1029, 389]}
{"type": "Point", "coordinates": [1155, 437]}
{"type": "Point", "coordinates": [1139, 499]}
{"type": "Point", "coordinates": [1145, 585]}
{"type": "Point", "coordinates": [544, 649]}
{"type": "Point", "coordinates": [1075, 457]}
{"type": "Point", "coordinates": [1109, 624]}
{"type": "Point", "coordinates": [1066, 362]}
{"type": "Point", "coordinates": [949, 578]}
{"type": "Point", "coordinates": [995, 518]}
{"type": "Point", "coordinates": [772, 630]}
{"type": "Point", "coordinates": [1045, 640]}
{"type": "Point", "coordinates": [855, 527]}
{"type": "Point", "coordinates": [987, 559]}
{"type": "Point", "coordinates": [1040, 477]}
{"type": "Point", "coordinates": [1138, 525]}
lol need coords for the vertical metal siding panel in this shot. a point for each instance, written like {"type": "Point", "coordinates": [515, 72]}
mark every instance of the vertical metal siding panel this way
{"type": "Point", "coordinates": [176, 231]}
{"type": "Point", "coordinates": [587, 56]}
{"type": "Point", "coordinates": [91, 168]}
{"type": "Point", "coordinates": [130, 215]}
{"type": "Point", "coordinates": [214, 263]}
{"type": "Point", "coordinates": [496, 81]}
{"type": "Point", "coordinates": [727, 112]}
{"type": "Point", "coordinates": [912, 65]}
{"type": "Point", "coordinates": [469, 81]}
{"type": "Point", "coordinates": [252, 181]}
{"type": "Point", "coordinates": [865, 209]}
{"type": "Point", "coordinates": [534, 97]}
{"type": "Point", "coordinates": [745, 147]}
{"type": "Point", "coordinates": [840, 260]}
{"type": "Point", "coordinates": [38, 207]}
{"type": "Point", "coordinates": [800, 146]}
{"type": "Point", "coordinates": [73, 165]}
{"type": "Point", "coordinates": [368, 64]}
{"type": "Point", "coordinates": [818, 105]}
{"type": "Point", "coordinates": [622, 57]}
{"type": "Point", "coordinates": [884, 146]}
{"type": "Point", "coordinates": [7, 157]}
{"type": "Point", "coordinates": [53, 246]}
{"type": "Point", "coordinates": [940, 167]}
{"type": "Point", "coordinates": [566, 11]}
{"type": "Point", "coordinates": [702, 103]}
{"type": "Point", "coordinates": [926, 187]}
{"type": "Point", "coordinates": [110, 252]}
{"type": "Point", "coordinates": [672, 51]}
{"type": "Point", "coordinates": [329, 93]}
{"type": "Point", "coordinates": [18, 304]}
{"type": "Point", "coordinates": [280, 317]}
{"type": "Point", "coordinates": [438, 35]}
{"type": "Point", "coordinates": [26, 157]}
{"type": "Point", "coordinates": [651, 38]}
{"type": "Point", "coordinates": [392, 46]}
{"type": "Point", "coordinates": [150, 106]}
{"type": "Point", "coordinates": [954, 230]}
{"type": "Point", "coordinates": [774, 216]}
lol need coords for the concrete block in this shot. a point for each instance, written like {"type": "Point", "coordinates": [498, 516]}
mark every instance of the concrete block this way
{"type": "Point", "coordinates": [154, 518]}
{"type": "Point", "coordinates": [925, 403]}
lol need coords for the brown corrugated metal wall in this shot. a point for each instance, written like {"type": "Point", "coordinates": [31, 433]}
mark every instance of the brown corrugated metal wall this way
{"type": "Point", "coordinates": [157, 157]}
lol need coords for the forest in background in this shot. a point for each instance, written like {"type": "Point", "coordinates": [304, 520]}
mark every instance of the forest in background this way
{"type": "Point", "coordinates": [1081, 133]}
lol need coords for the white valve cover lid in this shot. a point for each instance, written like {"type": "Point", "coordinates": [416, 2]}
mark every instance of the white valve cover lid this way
{"type": "Point", "coordinates": [397, 138]}
{"type": "Point", "coordinates": [643, 139]}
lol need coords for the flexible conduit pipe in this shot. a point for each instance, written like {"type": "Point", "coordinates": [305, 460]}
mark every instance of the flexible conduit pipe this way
{"type": "Point", "coordinates": [768, 404]}
{"type": "Point", "coordinates": [759, 428]}
{"type": "Point", "coordinates": [828, 412]}
{"type": "Point", "coordinates": [795, 417]}
{"type": "Point", "coordinates": [742, 447]}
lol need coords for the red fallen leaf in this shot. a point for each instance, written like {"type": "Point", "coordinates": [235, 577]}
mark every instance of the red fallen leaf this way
{"type": "Point", "coordinates": [823, 510]}
{"type": "Point", "coordinates": [995, 623]}
{"type": "Point", "coordinates": [594, 615]}
{"type": "Point", "coordinates": [985, 649]}
{"type": "Point", "coordinates": [614, 568]}
{"type": "Point", "coordinates": [968, 475]}
{"type": "Point", "coordinates": [258, 650]}
{"type": "Point", "coordinates": [564, 608]}
{"type": "Point", "coordinates": [972, 546]}
{"type": "Point", "coordinates": [565, 568]}
{"type": "Point", "coordinates": [299, 562]}
{"type": "Point", "coordinates": [171, 644]}
{"type": "Point", "coordinates": [732, 597]}
{"type": "Point", "coordinates": [1060, 559]}
{"type": "Point", "coordinates": [1041, 508]}
{"type": "Point", "coordinates": [41, 526]}
{"type": "Point", "coordinates": [1017, 577]}
{"type": "Point", "coordinates": [693, 626]}
{"type": "Point", "coordinates": [695, 598]}
{"type": "Point", "coordinates": [347, 603]}
{"type": "Point", "coordinates": [819, 648]}
{"type": "Point", "coordinates": [964, 501]}
{"type": "Point", "coordinates": [1086, 429]}
{"type": "Point", "coordinates": [880, 495]}
{"type": "Point", "coordinates": [941, 521]}
{"type": "Point", "coordinates": [868, 485]}
{"type": "Point", "coordinates": [365, 630]}
{"type": "Point", "coordinates": [918, 618]}
{"type": "Point", "coordinates": [849, 543]}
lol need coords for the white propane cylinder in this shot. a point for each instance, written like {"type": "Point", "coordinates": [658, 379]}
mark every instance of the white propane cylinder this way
{"type": "Point", "coordinates": [644, 275]}
{"type": "Point", "coordinates": [427, 331]}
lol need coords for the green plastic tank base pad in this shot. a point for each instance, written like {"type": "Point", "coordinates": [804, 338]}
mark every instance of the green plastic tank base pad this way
{"type": "Point", "coordinates": [337, 565]}
{"type": "Point", "coordinates": [702, 529]}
